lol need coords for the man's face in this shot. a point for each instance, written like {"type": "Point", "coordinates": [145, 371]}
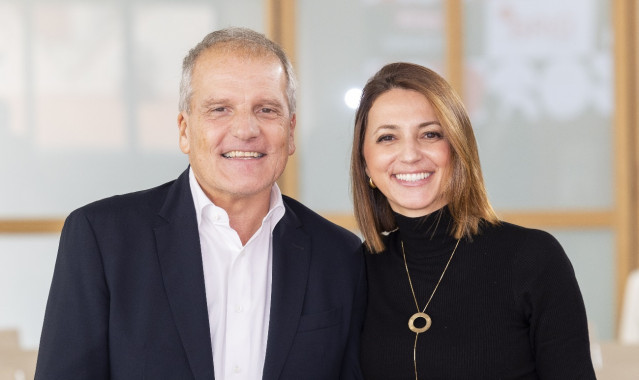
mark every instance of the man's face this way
{"type": "Point", "coordinates": [239, 131]}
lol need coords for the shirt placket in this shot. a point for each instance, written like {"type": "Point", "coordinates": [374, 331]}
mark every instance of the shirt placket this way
{"type": "Point", "coordinates": [237, 318]}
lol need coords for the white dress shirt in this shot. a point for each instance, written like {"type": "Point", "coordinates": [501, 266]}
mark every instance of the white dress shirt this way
{"type": "Point", "coordinates": [238, 285]}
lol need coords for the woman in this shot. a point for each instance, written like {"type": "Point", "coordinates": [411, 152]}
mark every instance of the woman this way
{"type": "Point", "coordinates": [454, 293]}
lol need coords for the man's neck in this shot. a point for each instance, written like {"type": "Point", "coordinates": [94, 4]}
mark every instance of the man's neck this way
{"type": "Point", "coordinates": [245, 213]}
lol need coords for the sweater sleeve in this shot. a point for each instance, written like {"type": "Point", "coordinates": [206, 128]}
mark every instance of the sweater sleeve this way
{"type": "Point", "coordinates": [547, 293]}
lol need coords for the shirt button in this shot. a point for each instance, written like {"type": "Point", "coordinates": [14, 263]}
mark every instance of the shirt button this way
{"type": "Point", "coordinates": [237, 369]}
{"type": "Point", "coordinates": [239, 308]}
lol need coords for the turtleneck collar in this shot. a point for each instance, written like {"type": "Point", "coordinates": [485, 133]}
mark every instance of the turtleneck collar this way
{"type": "Point", "coordinates": [426, 235]}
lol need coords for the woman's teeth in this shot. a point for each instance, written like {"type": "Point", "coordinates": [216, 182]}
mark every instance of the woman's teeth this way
{"type": "Point", "coordinates": [412, 177]}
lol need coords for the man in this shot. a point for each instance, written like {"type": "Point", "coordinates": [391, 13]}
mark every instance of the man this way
{"type": "Point", "coordinates": [216, 274]}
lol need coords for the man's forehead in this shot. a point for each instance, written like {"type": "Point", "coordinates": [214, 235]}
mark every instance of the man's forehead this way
{"type": "Point", "coordinates": [241, 52]}
{"type": "Point", "coordinates": [238, 64]}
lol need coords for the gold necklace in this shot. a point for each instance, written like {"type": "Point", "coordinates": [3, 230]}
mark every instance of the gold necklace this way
{"type": "Point", "coordinates": [422, 314]}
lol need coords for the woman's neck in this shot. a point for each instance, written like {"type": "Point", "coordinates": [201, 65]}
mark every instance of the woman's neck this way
{"type": "Point", "coordinates": [428, 234]}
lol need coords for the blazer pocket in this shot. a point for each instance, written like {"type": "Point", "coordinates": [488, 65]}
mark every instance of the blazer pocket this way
{"type": "Point", "coordinates": [316, 321]}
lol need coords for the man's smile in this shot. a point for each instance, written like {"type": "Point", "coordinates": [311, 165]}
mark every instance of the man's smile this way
{"type": "Point", "coordinates": [242, 154]}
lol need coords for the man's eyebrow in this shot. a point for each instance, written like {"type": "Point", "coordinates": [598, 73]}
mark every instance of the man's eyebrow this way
{"type": "Point", "coordinates": [270, 102]}
{"type": "Point", "coordinates": [207, 103]}
{"type": "Point", "coordinates": [213, 101]}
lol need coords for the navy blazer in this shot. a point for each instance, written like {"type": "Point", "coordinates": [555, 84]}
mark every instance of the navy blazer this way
{"type": "Point", "coordinates": [128, 301]}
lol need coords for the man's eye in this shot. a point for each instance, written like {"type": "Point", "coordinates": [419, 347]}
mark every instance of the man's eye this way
{"type": "Point", "coordinates": [217, 109]}
{"type": "Point", "coordinates": [267, 112]}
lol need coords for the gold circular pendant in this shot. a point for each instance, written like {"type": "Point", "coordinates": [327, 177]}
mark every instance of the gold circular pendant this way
{"type": "Point", "coordinates": [411, 323]}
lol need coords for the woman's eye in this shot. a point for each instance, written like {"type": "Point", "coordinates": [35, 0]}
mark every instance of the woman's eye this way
{"type": "Point", "coordinates": [385, 138]}
{"type": "Point", "coordinates": [433, 135]}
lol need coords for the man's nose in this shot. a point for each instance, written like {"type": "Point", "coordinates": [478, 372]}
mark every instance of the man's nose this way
{"type": "Point", "coordinates": [245, 126]}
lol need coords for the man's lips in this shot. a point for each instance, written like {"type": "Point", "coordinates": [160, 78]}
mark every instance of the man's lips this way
{"type": "Point", "coordinates": [242, 154]}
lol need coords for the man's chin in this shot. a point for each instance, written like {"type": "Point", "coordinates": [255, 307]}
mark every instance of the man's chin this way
{"type": "Point", "coordinates": [250, 189]}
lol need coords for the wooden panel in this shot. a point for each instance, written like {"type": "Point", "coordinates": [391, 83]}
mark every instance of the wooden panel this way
{"type": "Point", "coordinates": [281, 28]}
{"type": "Point", "coordinates": [550, 219]}
{"type": "Point", "coordinates": [559, 219]}
{"type": "Point", "coordinates": [30, 226]}
{"type": "Point", "coordinates": [455, 45]}
{"type": "Point", "coordinates": [625, 139]}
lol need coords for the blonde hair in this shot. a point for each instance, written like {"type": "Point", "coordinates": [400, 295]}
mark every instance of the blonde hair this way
{"type": "Point", "coordinates": [465, 191]}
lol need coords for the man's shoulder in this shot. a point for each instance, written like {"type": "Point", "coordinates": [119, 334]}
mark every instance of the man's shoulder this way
{"type": "Point", "coordinates": [316, 223]}
{"type": "Point", "coordinates": [136, 202]}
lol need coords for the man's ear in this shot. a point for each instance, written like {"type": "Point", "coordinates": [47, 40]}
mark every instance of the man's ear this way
{"type": "Point", "coordinates": [184, 133]}
{"type": "Point", "coordinates": [291, 135]}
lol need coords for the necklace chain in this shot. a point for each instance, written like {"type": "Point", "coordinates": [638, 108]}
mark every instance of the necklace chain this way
{"type": "Point", "coordinates": [422, 313]}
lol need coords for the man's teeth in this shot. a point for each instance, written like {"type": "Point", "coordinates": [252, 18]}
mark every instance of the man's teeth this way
{"type": "Point", "coordinates": [242, 154]}
{"type": "Point", "coordinates": [412, 177]}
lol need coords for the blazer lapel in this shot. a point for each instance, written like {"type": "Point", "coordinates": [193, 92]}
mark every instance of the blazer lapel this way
{"type": "Point", "coordinates": [180, 257]}
{"type": "Point", "coordinates": [291, 263]}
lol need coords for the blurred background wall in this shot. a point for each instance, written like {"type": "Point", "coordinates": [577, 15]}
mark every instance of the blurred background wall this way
{"type": "Point", "coordinates": [88, 108]}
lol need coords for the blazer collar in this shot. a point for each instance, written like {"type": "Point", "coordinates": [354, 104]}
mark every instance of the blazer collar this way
{"type": "Point", "coordinates": [291, 263]}
{"type": "Point", "coordinates": [179, 253]}
{"type": "Point", "coordinates": [180, 259]}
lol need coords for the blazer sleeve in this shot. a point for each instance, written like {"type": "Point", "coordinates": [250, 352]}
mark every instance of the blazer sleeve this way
{"type": "Point", "coordinates": [351, 369]}
{"type": "Point", "coordinates": [74, 340]}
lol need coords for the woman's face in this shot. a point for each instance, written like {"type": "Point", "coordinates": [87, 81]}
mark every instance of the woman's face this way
{"type": "Point", "coordinates": [405, 152]}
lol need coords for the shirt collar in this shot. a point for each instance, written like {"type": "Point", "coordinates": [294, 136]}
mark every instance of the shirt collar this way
{"type": "Point", "coordinates": [201, 201]}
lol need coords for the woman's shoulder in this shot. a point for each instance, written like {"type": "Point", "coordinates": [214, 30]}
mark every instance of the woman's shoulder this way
{"type": "Point", "coordinates": [529, 249]}
{"type": "Point", "coordinates": [524, 237]}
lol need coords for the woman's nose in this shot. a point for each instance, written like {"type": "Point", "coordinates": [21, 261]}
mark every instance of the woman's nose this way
{"type": "Point", "coordinates": [409, 151]}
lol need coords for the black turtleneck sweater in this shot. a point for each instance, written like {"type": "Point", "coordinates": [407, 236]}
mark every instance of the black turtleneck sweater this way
{"type": "Point", "coordinates": [508, 307]}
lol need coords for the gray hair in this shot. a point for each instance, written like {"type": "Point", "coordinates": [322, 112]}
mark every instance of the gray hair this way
{"type": "Point", "coordinates": [243, 39]}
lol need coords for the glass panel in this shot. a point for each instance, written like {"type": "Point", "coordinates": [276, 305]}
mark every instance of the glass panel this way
{"type": "Point", "coordinates": [539, 89]}
{"type": "Point", "coordinates": [26, 268]}
{"type": "Point", "coordinates": [88, 95]}
{"type": "Point", "coordinates": [592, 255]}
{"type": "Point", "coordinates": [336, 56]}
